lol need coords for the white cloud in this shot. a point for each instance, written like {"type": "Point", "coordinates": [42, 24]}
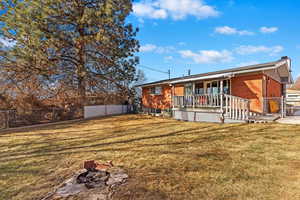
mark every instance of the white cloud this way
{"type": "Point", "coordinates": [148, 48]}
{"type": "Point", "coordinates": [176, 9]}
{"type": "Point", "coordinates": [7, 43]}
{"type": "Point", "coordinates": [268, 29]}
{"type": "Point", "coordinates": [249, 49]}
{"type": "Point", "coordinates": [156, 49]}
{"type": "Point", "coordinates": [227, 30]}
{"type": "Point", "coordinates": [208, 56]}
{"type": "Point", "coordinates": [147, 10]}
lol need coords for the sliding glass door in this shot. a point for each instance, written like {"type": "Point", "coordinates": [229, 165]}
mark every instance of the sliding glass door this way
{"type": "Point", "coordinates": [214, 87]}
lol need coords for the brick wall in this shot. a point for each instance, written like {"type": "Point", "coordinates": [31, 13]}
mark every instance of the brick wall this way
{"type": "Point", "coordinates": [249, 87]}
{"type": "Point", "coordinates": [274, 88]}
{"type": "Point", "coordinates": [162, 101]}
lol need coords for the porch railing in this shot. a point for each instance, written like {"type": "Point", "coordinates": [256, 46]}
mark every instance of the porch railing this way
{"type": "Point", "coordinates": [236, 108]}
{"type": "Point", "coordinates": [197, 101]}
{"type": "Point", "coordinates": [231, 107]}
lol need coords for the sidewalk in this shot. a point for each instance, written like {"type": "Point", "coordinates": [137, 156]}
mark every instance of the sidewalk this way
{"type": "Point", "coordinates": [290, 120]}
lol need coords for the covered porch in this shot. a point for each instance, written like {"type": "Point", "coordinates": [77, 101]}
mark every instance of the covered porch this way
{"type": "Point", "coordinates": [210, 96]}
{"type": "Point", "coordinates": [201, 94]}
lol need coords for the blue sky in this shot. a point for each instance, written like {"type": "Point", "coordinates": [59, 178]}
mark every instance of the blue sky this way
{"type": "Point", "coordinates": [212, 35]}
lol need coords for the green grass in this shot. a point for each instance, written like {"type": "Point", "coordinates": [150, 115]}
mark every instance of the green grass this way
{"type": "Point", "coordinates": [166, 159]}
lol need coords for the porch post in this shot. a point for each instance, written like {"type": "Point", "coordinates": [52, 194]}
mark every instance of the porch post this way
{"type": "Point", "coordinates": [173, 96]}
{"type": "Point", "coordinates": [193, 93]}
{"type": "Point", "coordinates": [221, 102]}
{"type": "Point", "coordinates": [282, 107]}
{"type": "Point", "coordinates": [221, 95]}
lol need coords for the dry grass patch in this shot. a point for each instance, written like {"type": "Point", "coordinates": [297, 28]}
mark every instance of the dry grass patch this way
{"type": "Point", "coordinates": [166, 159]}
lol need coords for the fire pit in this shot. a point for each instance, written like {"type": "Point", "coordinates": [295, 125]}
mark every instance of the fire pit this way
{"type": "Point", "coordinates": [93, 178]}
{"type": "Point", "coordinates": [96, 179]}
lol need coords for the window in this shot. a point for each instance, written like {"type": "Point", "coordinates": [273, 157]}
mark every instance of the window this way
{"type": "Point", "coordinates": [152, 90]}
{"type": "Point", "coordinates": [156, 90]}
{"type": "Point", "coordinates": [226, 86]}
{"type": "Point", "coordinates": [208, 88]}
{"type": "Point", "coordinates": [188, 89]}
{"type": "Point", "coordinates": [199, 88]}
{"type": "Point", "coordinates": [215, 87]}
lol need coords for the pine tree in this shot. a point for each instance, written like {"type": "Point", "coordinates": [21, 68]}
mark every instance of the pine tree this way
{"type": "Point", "coordinates": [86, 44]}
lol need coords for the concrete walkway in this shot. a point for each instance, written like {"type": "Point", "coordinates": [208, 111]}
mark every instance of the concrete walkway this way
{"type": "Point", "coordinates": [290, 120]}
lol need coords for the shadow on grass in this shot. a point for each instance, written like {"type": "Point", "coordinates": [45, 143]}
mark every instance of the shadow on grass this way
{"type": "Point", "coordinates": [57, 151]}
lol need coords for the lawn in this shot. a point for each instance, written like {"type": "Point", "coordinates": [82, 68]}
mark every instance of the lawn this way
{"type": "Point", "coordinates": [166, 159]}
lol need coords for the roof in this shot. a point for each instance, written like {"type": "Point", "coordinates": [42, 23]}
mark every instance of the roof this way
{"type": "Point", "coordinates": [219, 74]}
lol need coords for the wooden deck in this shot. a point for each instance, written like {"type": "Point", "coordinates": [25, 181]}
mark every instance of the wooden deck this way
{"type": "Point", "coordinates": [228, 106]}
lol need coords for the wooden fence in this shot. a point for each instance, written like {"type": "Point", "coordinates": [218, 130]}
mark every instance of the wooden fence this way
{"type": "Point", "coordinates": [4, 119]}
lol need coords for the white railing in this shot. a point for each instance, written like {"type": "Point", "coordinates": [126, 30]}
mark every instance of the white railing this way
{"type": "Point", "coordinates": [197, 101]}
{"type": "Point", "coordinates": [231, 106]}
{"type": "Point", "coordinates": [236, 108]}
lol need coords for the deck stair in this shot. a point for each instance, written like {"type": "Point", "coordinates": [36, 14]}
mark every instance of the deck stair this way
{"type": "Point", "coordinates": [269, 118]}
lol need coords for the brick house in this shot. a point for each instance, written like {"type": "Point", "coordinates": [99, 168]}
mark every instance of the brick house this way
{"type": "Point", "coordinates": [231, 95]}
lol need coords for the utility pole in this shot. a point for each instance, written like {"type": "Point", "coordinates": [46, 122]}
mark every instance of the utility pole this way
{"type": "Point", "coordinates": [189, 72]}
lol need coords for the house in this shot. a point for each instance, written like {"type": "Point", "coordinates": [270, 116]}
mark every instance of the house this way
{"type": "Point", "coordinates": [293, 102]}
{"type": "Point", "coordinates": [223, 96]}
{"type": "Point", "coordinates": [293, 97]}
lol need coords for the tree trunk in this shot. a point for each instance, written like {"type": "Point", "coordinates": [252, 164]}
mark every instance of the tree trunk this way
{"type": "Point", "coordinates": [81, 90]}
{"type": "Point", "coordinates": [82, 75]}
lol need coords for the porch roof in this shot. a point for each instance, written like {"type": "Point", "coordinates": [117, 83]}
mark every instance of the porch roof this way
{"type": "Point", "coordinates": [221, 74]}
{"type": "Point", "coordinates": [216, 76]}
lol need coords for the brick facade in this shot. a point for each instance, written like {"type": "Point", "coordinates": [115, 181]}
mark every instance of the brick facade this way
{"type": "Point", "coordinates": [162, 101]}
{"type": "Point", "coordinates": [249, 87]}
{"type": "Point", "coordinates": [274, 88]}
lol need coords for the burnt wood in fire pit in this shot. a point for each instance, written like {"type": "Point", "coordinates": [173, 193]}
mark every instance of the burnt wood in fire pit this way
{"type": "Point", "coordinates": [93, 178]}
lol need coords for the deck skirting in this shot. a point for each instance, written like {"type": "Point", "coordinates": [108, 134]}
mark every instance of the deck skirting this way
{"type": "Point", "coordinates": [202, 115]}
